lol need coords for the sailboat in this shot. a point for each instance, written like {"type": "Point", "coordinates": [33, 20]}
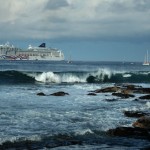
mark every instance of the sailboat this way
{"type": "Point", "coordinates": [146, 61]}
{"type": "Point", "coordinates": [69, 60]}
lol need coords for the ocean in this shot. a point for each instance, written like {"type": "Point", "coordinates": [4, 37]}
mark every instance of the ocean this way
{"type": "Point", "coordinates": [74, 121]}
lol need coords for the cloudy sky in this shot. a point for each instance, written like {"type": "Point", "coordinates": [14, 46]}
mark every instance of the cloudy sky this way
{"type": "Point", "coordinates": [101, 30]}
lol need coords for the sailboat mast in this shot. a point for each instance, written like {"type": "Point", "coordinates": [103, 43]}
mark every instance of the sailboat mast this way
{"type": "Point", "coordinates": [146, 62]}
{"type": "Point", "coordinates": [147, 57]}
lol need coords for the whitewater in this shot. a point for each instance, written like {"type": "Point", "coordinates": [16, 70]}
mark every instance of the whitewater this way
{"type": "Point", "coordinates": [74, 121]}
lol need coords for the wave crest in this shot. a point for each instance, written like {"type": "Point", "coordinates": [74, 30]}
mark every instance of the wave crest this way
{"type": "Point", "coordinates": [100, 76]}
{"type": "Point", "coordinates": [48, 77]}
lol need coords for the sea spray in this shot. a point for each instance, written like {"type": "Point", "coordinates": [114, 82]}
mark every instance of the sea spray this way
{"type": "Point", "coordinates": [102, 75]}
{"type": "Point", "coordinates": [48, 77]}
{"type": "Point", "coordinates": [73, 78]}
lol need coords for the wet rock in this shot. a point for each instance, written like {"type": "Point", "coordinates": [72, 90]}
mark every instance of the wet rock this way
{"type": "Point", "coordinates": [108, 89]}
{"type": "Point", "coordinates": [142, 90]}
{"type": "Point", "coordinates": [41, 94]}
{"type": "Point", "coordinates": [126, 91]}
{"type": "Point", "coordinates": [135, 114]}
{"type": "Point", "coordinates": [91, 94]}
{"type": "Point", "coordinates": [123, 95]}
{"type": "Point", "coordinates": [63, 140]}
{"type": "Point", "coordinates": [143, 122]}
{"type": "Point", "coordinates": [128, 132]}
{"type": "Point", "coordinates": [145, 97]}
{"type": "Point", "coordinates": [91, 79]}
{"type": "Point", "coordinates": [131, 86]}
{"type": "Point", "coordinates": [61, 93]}
{"type": "Point", "coordinates": [135, 89]}
{"type": "Point", "coordinates": [111, 100]}
{"type": "Point", "coordinates": [47, 142]}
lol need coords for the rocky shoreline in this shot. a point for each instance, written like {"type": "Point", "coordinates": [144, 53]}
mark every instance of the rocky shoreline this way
{"type": "Point", "coordinates": [139, 128]}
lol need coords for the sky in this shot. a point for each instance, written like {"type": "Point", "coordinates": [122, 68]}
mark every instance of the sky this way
{"type": "Point", "coordinates": [88, 30]}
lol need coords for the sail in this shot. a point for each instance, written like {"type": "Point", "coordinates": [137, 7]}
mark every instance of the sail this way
{"type": "Point", "coordinates": [146, 61]}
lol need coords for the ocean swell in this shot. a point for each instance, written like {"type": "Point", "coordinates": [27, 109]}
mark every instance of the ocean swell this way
{"type": "Point", "coordinates": [100, 76]}
{"type": "Point", "coordinates": [17, 77]}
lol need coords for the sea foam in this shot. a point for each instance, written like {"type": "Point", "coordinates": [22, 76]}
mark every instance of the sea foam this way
{"type": "Point", "coordinates": [74, 77]}
{"type": "Point", "coordinates": [48, 77]}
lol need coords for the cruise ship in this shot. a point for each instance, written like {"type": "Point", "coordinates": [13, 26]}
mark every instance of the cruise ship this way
{"type": "Point", "coordinates": [9, 52]}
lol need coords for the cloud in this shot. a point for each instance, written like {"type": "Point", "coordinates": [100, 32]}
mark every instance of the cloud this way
{"type": "Point", "coordinates": [73, 19]}
{"type": "Point", "coordinates": [56, 4]}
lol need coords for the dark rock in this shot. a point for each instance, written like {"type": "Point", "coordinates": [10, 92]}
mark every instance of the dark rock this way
{"type": "Point", "coordinates": [128, 132]}
{"type": "Point", "coordinates": [142, 90]}
{"type": "Point", "coordinates": [108, 89]}
{"type": "Point", "coordinates": [51, 142]}
{"type": "Point", "coordinates": [146, 90]}
{"type": "Point", "coordinates": [41, 94]}
{"type": "Point", "coordinates": [91, 94]}
{"type": "Point", "coordinates": [63, 140]}
{"type": "Point", "coordinates": [111, 100]}
{"type": "Point", "coordinates": [143, 122]}
{"type": "Point", "coordinates": [59, 94]}
{"type": "Point", "coordinates": [136, 99]}
{"type": "Point", "coordinates": [123, 95]}
{"type": "Point", "coordinates": [91, 79]}
{"type": "Point", "coordinates": [136, 114]}
{"type": "Point", "coordinates": [126, 91]}
{"type": "Point", "coordinates": [145, 97]}
{"type": "Point", "coordinates": [131, 86]}
{"type": "Point", "coordinates": [136, 89]}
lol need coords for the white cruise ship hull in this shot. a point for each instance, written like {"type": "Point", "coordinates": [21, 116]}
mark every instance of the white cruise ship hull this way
{"type": "Point", "coordinates": [6, 57]}
{"type": "Point", "coordinates": [8, 52]}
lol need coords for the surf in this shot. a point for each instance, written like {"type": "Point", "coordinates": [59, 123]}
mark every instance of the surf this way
{"type": "Point", "coordinates": [99, 76]}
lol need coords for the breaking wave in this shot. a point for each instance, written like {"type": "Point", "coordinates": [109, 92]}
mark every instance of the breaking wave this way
{"type": "Point", "coordinates": [8, 77]}
{"type": "Point", "coordinates": [100, 76]}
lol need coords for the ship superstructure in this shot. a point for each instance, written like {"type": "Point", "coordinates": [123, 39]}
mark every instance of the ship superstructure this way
{"type": "Point", "coordinates": [9, 52]}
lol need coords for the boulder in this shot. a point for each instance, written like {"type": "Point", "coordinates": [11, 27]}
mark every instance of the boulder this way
{"type": "Point", "coordinates": [41, 94]}
{"type": "Point", "coordinates": [135, 114]}
{"type": "Point", "coordinates": [107, 90]}
{"type": "Point", "coordinates": [143, 122]}
{"type": "Point", "coordinates": [126, 91]}
{"type": "Point", "coordinates": [128, 132]}
{"type": "Point", "coordinates": [91, 94]}
{"type": "Point", "coordinates": [131, 86]}
{"type": "Point", "coordinates": [61, 93]}
{"type": "Point", "coordinates": [145, 97]}
{"type": "Point", "coordinates": [123, 95]}
{"type": "Point", "coordinates": [111, 100]}
{"type": "Point", "coordinates": [142, 90]}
